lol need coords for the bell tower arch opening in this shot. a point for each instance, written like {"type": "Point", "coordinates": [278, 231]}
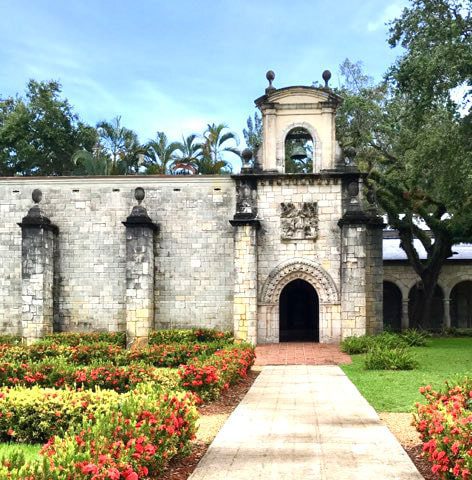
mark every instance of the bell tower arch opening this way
{"type": "Point", "coordinates": [299, 312]}
{"type": "Point", "coordinates": [299, 149]}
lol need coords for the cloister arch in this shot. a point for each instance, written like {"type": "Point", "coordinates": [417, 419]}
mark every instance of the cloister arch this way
{"type": "Point", "coordinates": [461, 305]}
{"type": "Point", "coordinates": [392, 306]}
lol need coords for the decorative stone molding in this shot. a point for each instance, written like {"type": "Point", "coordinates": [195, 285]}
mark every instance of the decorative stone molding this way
{"type": "Point", "coordinates": [280, 147]}
{"type": "Point", "coordinates": [298, 179]}
{"type": "Point", "coordinates": [299, 268]}
{"type": "Point", "coordinates": [299, 221]}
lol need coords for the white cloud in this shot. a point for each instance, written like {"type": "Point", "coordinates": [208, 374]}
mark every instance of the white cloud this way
{"type": "Point", "coordinates": [391, 12]}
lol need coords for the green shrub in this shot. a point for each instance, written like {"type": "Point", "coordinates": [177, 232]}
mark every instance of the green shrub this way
{"type": "Point", "coordinates": [33, 415]}
{"type": "Point", "coordinates": [362, 344]}
{"type": "Point", "coordinates": [10, 339]}
{"type": "Point", "coordinates": [386, 358]}
{"type": "Point", "coordinates": [459, 332]}
{"type": "Point", "coordinates": [355, 345]}
{"type": "Point", "coordinates": [77, 338]}
{"type": "Point", "coordinates": [135, 440]}
{"type": "Point", "coordinates": [388, 340]}
{"type": "Point", "coordinates": [158, 337]}
{"type": "Point", "coordinates": [415, 338]}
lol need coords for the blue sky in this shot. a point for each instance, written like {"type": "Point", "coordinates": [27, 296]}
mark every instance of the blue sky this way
{"type": "Point", "coordinates": [176, 65]}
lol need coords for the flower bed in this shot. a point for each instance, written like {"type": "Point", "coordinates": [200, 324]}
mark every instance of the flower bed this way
{"type": "Point", "coordinates": [106, 407]}
{"type": "Point", "coordinates": [159, 355]}
{"type": "Point", "coordinates": [130, 442]}
{"type": "Point", "coordinates": [445, 426]}
{"type": "Point", "coordinates": [207, 378]}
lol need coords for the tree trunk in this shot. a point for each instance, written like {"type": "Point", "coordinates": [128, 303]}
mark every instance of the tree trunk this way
{"type": "Point", "coordinates": [428, 270]}
{"type": "Point", "coordinates": [422, 305]}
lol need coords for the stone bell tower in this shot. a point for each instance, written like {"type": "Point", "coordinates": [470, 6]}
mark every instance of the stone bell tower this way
{"type": "Point", "coordinates": [308, 249]}
{"type": "Point", "coordinates": [304, 108]}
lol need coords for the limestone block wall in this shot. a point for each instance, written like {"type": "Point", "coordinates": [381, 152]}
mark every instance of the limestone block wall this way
{"type": "Point", "coordinates": [245, 288]}
{"type": "Point", "coordinates": [322, 254]}
{"type": "Point", "coordinates": [193, 250]}
{"type": "Point", "coordinates": [374, 280]}
{"type": "Point", "coordinates": [354, 262]}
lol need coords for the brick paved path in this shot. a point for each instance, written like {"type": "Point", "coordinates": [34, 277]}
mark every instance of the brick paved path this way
{"type": "Point", "coordinates": [300, 353]}
{"type": "Point", "coordinates": [304, 422]}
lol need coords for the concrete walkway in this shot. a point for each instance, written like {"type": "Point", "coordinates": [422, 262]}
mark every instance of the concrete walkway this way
{"type": "Point", "coordinates": [302, 422]}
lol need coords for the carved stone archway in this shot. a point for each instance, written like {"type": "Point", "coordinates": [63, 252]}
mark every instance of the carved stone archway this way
{"type": "Point", "coordinates": [299, 268]}
{"type": "Point", "coordinates": [319, 279]}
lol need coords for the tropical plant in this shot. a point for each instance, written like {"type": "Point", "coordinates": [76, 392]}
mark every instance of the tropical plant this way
{"type": "Point", "coordinates": [87, 163]}
{"type": "Point", "coordinates": [188, 154]}
{"type": "Point", "coordinates": [122, 147]}
{"type": "Point", "coordinates": [160, 154]}
{"type": "Point", "coordinates": [253, 133]}
{"type": "Point", "coordinates": [214, 145]}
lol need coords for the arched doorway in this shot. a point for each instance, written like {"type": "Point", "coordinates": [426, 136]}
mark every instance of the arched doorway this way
{"type": "Point", "coordinates": [299, 149]}
{"type": "Point", "coordinates": [299, 312]}
{"type": "Point", "coordinates": [392, 307]}
{"type": "Point", "coordinates": [437, 309]}
{"type": "Point", "coordinates": [461, 305]}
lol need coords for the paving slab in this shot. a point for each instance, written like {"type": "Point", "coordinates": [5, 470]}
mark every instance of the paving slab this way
{"type": "Point", "coordinates": [304, 422]}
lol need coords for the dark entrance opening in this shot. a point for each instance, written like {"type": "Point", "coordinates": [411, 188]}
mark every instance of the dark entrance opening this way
{"type": "Point", "coordinates": [299, 313]}
{"type": "Point", "coordinates": [461, 305]}
{"type": "Point", "coordinates": [392, 307]}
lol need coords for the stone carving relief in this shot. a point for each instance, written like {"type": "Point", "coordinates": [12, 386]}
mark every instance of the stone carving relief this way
{"type": "Point", "coordinates": [299, 221]}
{"type": "Point", "coordinates": [245, 200]}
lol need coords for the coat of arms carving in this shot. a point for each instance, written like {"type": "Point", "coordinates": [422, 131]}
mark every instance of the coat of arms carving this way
{"type": "Point", "coordinates": [299, 221]}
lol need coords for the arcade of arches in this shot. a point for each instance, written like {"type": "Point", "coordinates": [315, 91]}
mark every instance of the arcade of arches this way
{"type": "Point", "coordinates": [453, 310]}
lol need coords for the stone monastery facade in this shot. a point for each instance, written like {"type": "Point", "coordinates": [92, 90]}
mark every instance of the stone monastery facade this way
{"type": "Point", "coordinates": [270, 255]}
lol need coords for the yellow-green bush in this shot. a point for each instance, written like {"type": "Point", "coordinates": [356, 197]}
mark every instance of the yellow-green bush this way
{"type": "Point", "coordinates": [32, 415]}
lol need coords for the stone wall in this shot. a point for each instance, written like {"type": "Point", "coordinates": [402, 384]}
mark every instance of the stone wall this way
{"type": "Point", "coordinates": [317, 260]}
{"type": "Point", "coordinates": [193, 250]}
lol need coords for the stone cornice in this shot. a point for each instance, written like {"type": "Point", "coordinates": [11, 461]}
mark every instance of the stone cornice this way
{"type": "Point", "coordinates": [121, 180]}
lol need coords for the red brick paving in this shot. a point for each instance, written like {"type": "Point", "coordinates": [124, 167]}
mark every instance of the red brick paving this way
{"type": "Point", "coordinates": [300, 353]}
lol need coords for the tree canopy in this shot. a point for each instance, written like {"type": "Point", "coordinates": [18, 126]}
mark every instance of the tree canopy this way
{"type": "Point", "coordinates": [414, 140]}
{"type": "Point", "coordinates": [39, 132]}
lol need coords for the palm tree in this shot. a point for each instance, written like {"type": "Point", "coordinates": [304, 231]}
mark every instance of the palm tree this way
{"type": "Point", "coordinates": [188, 154]}
{"type": "Point", "coordinates": [87, 163]}
{"type": "Point", "coordinates": [122, 146]}
{"type": "Point", "coordinates": [213, 148]}
{"type": "Point", "coordinates": [160, 154]}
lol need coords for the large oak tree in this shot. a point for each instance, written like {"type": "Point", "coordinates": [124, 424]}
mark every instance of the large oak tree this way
{"type": "Point", "coordinates": [412, 134]}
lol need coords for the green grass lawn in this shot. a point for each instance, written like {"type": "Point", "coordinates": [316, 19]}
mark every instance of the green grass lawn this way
{"type": "Point", "coordinates": [29, 451]}
{"type": "Point", "coordinates": [397, 391]}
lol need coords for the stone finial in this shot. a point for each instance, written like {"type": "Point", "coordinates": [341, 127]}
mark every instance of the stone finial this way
{"type": "Point", "coordinates": [139, 216]}
{"type": "Point", "coordinates": [35, 216]}
{"type": "Point", "coordinates": [270, 75]}
{"type": "Point", "coordinates": [139, 194]}
{"type": "Point", "coordinates": [37, 195]}
{"type": "Point", "coordinates": [353, 192]}
{"type": "Point", "coordinates": [326, 77]}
